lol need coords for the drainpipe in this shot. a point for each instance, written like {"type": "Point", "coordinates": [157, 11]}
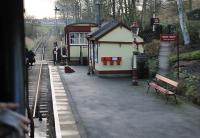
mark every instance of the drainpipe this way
{"type": "Point", "coordinates": [93, 58]}
{"type": "Point", "coordinates": [88, 60]}
{"type": "Point", "coordinates": [88, 51]}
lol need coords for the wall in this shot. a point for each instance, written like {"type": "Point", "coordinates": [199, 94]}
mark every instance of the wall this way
{"type": "Point", "coordinates": [119, 34]}
{"type": "Point", "coordinates": [115, 50]}
{"type": "Point", "coordinates": [75, 51]}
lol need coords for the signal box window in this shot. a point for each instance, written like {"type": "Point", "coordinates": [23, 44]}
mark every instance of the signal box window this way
{"type": "Point", "coordinates": [78, 38]}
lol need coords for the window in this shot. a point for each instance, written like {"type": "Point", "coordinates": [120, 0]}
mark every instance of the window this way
{"type": "Point", "coordinates": [78, 38]}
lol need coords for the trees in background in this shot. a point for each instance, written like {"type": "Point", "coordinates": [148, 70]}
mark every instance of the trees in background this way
{"type": "Point", "coordinates": [127, 11]}
{"type": "Point", "coordinates": [124, 10]}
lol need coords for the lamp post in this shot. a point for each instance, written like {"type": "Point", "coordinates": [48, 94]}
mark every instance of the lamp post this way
{"type": "Point", "coordinates": [135, 31]}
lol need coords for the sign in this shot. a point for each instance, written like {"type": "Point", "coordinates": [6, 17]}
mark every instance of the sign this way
{"type": "Point", "coordinates": [194, 15]}
{"type": "Point", "coordinates": [135, 24]}
{"type": "Point", "coordinates": [135, 28]}
{"type": "Point", "coordinates": [155, 21]}
{"type": "Point", "coordinates": [114, 58]}
{"type": "Point", "coordinates": [168, 37]}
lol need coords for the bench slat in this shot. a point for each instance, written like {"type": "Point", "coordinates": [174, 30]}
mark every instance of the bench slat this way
{"type": "Point", "coordinates": [161, 89]}
{"type": "Point", "coordinates": [162, 78]}
{"type": "Point", "coordinates": [152, 84]}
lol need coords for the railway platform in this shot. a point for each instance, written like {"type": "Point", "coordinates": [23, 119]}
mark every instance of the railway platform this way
{"type": "Point", "coordinates": [88, 106]}
{"type": "Point", "coordinates": [114, 108]}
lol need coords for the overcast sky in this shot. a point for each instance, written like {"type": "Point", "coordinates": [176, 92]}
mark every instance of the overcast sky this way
{"type": "Point", "coordinates": [39, 8]}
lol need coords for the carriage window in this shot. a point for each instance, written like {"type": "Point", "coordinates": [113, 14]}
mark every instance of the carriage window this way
{"type": "Point", "coordinates": [78, 38]}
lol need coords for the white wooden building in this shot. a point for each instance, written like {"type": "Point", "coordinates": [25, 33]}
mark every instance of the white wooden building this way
{"type": "Point", "coordinates": [111, 50]}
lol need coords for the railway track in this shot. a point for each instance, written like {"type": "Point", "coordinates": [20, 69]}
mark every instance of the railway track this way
{"type": "Point", "coordinates": [44, 85]}
{"type": "Point", "coordinates": [40, 93]}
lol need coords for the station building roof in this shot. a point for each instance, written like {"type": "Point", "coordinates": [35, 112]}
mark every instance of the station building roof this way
{"type": "Point", "coordinates": [82, 24]}
{"type": "Point", "coordinates": [104, 29]}
{"type": "Point", "coordinates": [79, 27]}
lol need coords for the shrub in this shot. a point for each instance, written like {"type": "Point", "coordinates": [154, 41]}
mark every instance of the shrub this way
{"type": "Point", "coordinates": [152, 49]}
{"type": "Point", "coordinates": [194, 37]}
{"type": "Point", "coordinates": [153, 66]}
{"type": "Point", "coordinates": [189, 86]}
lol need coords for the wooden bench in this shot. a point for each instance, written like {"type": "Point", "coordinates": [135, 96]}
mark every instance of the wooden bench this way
{"type": "Point", "coordinates": [168, 88]}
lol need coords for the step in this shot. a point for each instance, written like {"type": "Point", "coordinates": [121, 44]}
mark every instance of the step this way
{"type": "Point", "coordinates": [70, 134]}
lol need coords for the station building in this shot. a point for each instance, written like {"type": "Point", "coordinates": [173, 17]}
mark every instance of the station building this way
{"type": "Point", "coordinates": [112, 50]}
{"type": "Point", "coordinates": [76, 42]}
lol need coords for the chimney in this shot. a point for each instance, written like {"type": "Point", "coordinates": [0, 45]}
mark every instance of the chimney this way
{"type": "Point", "coordinates": [98, 12]}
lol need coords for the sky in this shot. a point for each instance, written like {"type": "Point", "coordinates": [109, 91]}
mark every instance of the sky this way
{"type": "Point", "coordinates": [39, 8]}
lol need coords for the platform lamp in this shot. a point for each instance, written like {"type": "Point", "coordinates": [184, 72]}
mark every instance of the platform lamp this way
{"type": "Point", "coordinates": [135, 31]}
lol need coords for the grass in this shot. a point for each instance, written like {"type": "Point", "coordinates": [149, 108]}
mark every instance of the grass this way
{"type": "Point", "coordinates": [47, 28]}
{"type": "Point", "coordinates": [43, 28]}
{"type": "Point", "coordinates": [194, 55]}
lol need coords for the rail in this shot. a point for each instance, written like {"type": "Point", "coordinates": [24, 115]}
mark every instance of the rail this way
{"type": "Point", "coordinates": [37, 91]}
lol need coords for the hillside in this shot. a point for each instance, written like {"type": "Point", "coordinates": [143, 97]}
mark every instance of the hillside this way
{"type": "Point", "coordinates": [189, 72]}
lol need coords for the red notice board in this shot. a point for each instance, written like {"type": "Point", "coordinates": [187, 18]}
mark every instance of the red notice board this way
{"type": "Point", "coordinates": [168, 37]}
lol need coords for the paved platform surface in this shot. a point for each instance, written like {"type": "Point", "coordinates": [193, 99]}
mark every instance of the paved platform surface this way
{"type": "Point", "coordinates": [113, 108]}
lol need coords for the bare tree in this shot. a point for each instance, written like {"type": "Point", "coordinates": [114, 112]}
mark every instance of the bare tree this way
{"type": "Point", "coordinates": [182, 21]}
{"type": "Point", "coordinates": [143, 12]}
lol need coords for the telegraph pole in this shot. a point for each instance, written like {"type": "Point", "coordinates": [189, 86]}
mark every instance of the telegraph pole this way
{"type": "Point", "coordinates": [98, 17]}
{"type": "Point", "coordinates": [56, 9]}
{"type": "Point", "coordinates": [154, 15]}
{"type": "Point", "coordinates": [113, 9]}
{"type": "Point", "coordinates": [190, 5]}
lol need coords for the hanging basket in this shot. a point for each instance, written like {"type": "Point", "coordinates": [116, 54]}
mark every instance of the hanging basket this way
{"type": "Point", "coordinates": [104, 62]}
{"type": "Point", "coordinates": [111, 62]}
